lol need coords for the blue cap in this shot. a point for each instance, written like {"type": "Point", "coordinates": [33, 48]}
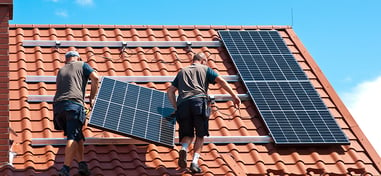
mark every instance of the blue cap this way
{"type": "Point", "coordinates": [71, 54]}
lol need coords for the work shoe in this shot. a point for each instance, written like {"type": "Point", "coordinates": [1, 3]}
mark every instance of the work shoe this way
{"type": "Point", "coordinates": [194, 168]}
{"type": "Point", "coordinates": [182, 159]}
{"type": "Point", "coordinates": [83, 169]}
{"type": "Point", "coordinates": [63, 172]}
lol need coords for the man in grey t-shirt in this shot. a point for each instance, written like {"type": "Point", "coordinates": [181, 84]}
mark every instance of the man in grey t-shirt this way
{"type": "Point", "coordinates": [68, 107]}
{"type": "Point", "coordinates": [192, 84]}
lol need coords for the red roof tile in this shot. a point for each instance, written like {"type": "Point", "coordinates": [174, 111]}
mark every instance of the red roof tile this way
{"type": "Point", "coordinates": [34, 120]}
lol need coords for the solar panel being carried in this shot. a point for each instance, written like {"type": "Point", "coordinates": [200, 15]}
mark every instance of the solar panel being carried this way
{"type": "Point", "coordinates": [133, 111]}
{"type": "Point", "coordinates": [292, 110]}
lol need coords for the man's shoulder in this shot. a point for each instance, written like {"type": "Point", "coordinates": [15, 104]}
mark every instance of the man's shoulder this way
{"type": "Point", "coordinates": [196, 66]}
{"type": "Point", "coordinates": [80, 63]}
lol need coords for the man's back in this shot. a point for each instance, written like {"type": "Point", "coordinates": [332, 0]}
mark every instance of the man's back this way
{"type": "Point", "coordinates": [71, 82]}
{"type": "Point", "coordinates": [193, 81]}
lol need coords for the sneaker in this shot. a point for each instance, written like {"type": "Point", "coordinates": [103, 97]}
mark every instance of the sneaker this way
{"type": "Point", "coordinates": [194, 168]}
{"type": "Point", "coordinates": [83, 169]}
{"type": "Point", "coordinates": [63, 172]}
{"type": "Point", "coordinates": [182, 159]}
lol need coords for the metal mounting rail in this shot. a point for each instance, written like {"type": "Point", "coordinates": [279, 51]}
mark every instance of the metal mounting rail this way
{"type": "Point", "coordinates": [119, 44]}
{"type": "Point", "coordinates": [217, 98]}
{"type": "Point", "coordinates": [143, 79]}
{"type": "Point", "coordinates": [127, 140]}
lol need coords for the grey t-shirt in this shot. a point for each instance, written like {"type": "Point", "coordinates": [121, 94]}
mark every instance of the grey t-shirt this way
{"type": "Point", "coordinates": [71, 82]}
{"type": "Point", "coordinates": [193, 81]}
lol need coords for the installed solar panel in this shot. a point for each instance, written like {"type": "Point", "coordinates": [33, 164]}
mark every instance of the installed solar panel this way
{"type": "Point", "coordinates": [133, 111]}
{"type": "Point", "coordinates": [259, 67]}
{"type": "Point", "coordinates": [291, 108]}
{"type": "Point", "coordinates": [285, 96]}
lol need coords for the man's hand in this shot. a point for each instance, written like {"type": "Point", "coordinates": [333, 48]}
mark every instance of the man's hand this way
{"type": "Point", "coordinates": [92, 101]}
{"type": "Point", "coordinates": [237, 103]}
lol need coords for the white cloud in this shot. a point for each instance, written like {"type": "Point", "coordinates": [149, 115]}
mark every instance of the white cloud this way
{"type": "Point", "coordinates": [84, 2]}
{"type": "Point", "coordinates": [364, 103]}
{"type": "Point", "coordinates": [62, 13]}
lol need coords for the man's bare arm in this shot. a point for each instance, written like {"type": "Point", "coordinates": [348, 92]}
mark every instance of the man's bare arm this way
{"type": "Point", "coordinates": [94, 86]}
{"type": "Point", "coordinates": [172, 96]}
{"type": "Point", "coordinates": [226, 86]}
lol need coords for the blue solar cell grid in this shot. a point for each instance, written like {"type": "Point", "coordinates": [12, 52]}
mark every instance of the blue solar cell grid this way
{"type": "Point", "coordinates": [133, 111]}
{"type": "Point", "coordinates": [303, 127]}
{"type": "Point", "coordinates": [268, 67]}
{"type": "Point", "coordinates": [285, 96]}
{"type": "Point", "coordinates": [292, 110]}
{"type": "Point", "coordinates": [261, 55]}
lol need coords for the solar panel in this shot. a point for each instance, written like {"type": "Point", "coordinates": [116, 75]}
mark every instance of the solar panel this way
{"type": "Point", "coordinates": [267, 67]}
{"type": "Point", "coordinates": [292, 110]}
{"type": "Point", "coordinates": [133, 111]}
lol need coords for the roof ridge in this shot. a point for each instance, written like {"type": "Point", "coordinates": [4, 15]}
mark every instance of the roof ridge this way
{"type": "Point", "coordinates": [150, 26]}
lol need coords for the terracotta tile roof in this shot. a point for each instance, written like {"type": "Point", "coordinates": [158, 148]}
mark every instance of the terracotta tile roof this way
{"type": "Point", "coordinates": [34, 120]}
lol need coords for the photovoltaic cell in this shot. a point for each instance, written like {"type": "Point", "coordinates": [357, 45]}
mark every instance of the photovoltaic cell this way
{"type": "Point", "coordinates": [291, 108]}
{"type": "Point", "coordinates": [133, 111]}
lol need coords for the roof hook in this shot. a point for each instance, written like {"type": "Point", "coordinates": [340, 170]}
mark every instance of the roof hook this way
{"type": "Point", "coordinates": [188, 47]}
{"type": "Point", "coordinates": [58, 44]}
{"type": "Point", "coordinates": [123, 49]}
{"type": "Point", "coordinates": [124, 46]}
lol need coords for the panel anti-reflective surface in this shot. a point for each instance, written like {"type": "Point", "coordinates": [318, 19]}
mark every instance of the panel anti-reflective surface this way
{"type": "Point", "coordinates": [133, 111]}
{"type": "Point", "coordinates": [292, 110]}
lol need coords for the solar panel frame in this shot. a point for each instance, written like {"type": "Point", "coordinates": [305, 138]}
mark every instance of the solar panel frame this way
{"type": "Point", "coordinates": [292, 109]}
{"type": "Point", "coordinates": [134, 111]}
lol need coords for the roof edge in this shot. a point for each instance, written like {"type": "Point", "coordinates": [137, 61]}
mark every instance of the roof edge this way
{"type": "Point", "coordinates": [150, 26]}
{"type": "Point", "coordinates": [337, 101]}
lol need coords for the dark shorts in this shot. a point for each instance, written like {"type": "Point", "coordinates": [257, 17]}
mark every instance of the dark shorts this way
{"type": "Point", "coordinates": [191, 117]}
{"type": "Point", "coordinates": [69, 117]}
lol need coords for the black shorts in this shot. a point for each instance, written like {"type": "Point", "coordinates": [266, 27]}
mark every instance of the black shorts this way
{"type": "Point", "coordinates": [190, 117]}
{"type": "Point", "coordinates": [69, 117]}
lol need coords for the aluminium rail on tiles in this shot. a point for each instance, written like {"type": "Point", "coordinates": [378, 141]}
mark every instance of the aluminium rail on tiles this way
{"type": "Point", "coordinates": [216, 97]}
{"type": "Point", "coordinates": [128, 140]}
{"type": "Point", "coordinates": [120, 44]}
{"type": "Point", "coordinates": [137, 79]}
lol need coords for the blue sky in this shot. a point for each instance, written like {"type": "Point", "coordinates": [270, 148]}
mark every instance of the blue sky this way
{"type": "Point", "coordinates": [342, 35]}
